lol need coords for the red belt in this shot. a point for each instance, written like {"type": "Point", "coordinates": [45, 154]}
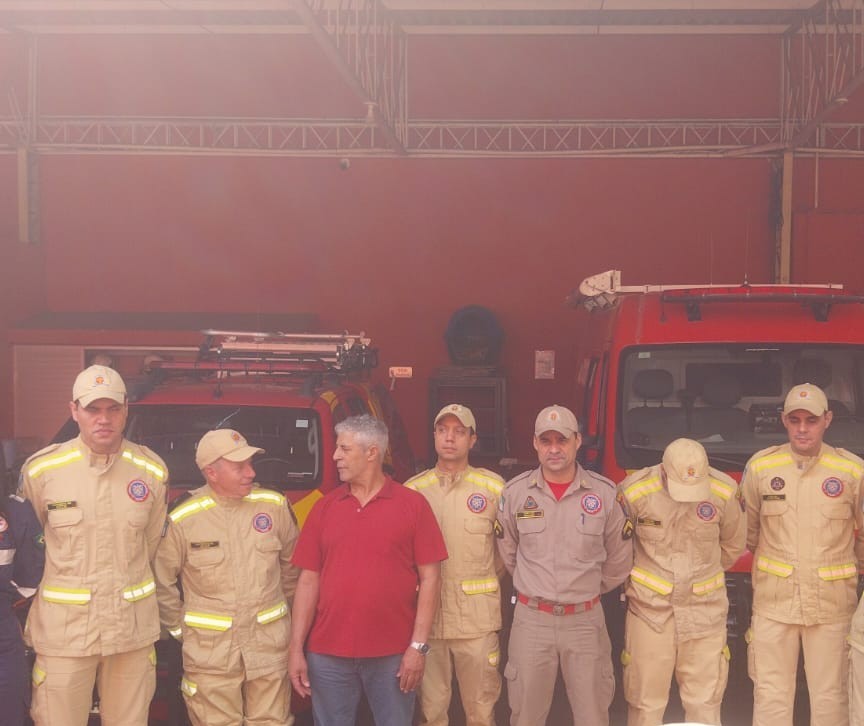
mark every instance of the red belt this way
{"type": "Point", "coordinates": [556, 608]}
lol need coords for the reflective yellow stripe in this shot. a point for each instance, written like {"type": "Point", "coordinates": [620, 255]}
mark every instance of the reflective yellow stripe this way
{"type": "Point", "coordinates": [38, 676]}
{"type": "Point", "coordinates": [774, 567]}
{"type": "Point", "coordinates": [146, 464]}
{"type": "Point", "coordinates": [652, 582]}
{"type": "Point", "coordinates": [770, 462]}
{"type": "Point", "coordinates": [486, 482]}
{"type": "Point", "coordinates": [840, 464]}
{"type": "Point", "coordinates": [67, 596]}
{"type": "Point", "coordinates": [625, 658]}
{"type": "Point", "coordinates": [52, 462]}
{"type": "Point", "coordinates": [176, 633]}
{"type": "Point", "coordinates": [709, 585]}
{"type": "Point", "coordinates": [265, 495]}
{"type": "Point", "coordinates": [475, 587]}
{"type": "Point", "coordinates": [190, 688]}
{"type": "Point", "coordinates": [139, 591]}
{"type": "Point", "coordinates": [422, 481]}
{"type": "Point", "coordinates": [274, 613]}
{"type": "Point", "coordinates": [152, 656]}
{"type": "Point", "coordinates": [204, 621]}
{"type": "Point", "coordinates": [193, 506]}
{"type": "Point", "coordinates": [494, 657]}
{"type": "Point", "coordinates": [643, 488]}
{"type": "Point", "coordinates": [722, 489]}
{"type": "Point", "coordinates": [727, 654]}
{"type": "Point", "coordinates": [303, 506]}
{"type": "Point", "coordinates": [330, 398]}
{"type": "Point", "coordinates": [838, 572]}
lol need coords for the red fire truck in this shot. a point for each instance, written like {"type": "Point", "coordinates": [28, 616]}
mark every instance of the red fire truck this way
{"type": "Point", "coordinates": [711, 363]}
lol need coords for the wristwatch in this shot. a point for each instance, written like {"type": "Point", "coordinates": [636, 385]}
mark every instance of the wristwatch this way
{"type": "Point", "coordinates": [421, 648]}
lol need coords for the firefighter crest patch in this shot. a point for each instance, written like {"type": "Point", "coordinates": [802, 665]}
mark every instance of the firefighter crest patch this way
{"type": "Point", "coordinates": [262, 522]}
{"type": "Point", "coordinates": [137, 490]}
{"type": "Point", "coordinates": [477, 502]}
{"type": "Point", "coordinates": [591, 503]}
{"type": "Point", "coordinates": [832, 487]}
{"type": "Point", "coordinates": [706, 511]}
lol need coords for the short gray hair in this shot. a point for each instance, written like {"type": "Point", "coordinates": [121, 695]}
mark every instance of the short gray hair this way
{"type": "Point", "coordinates": [367, 431]}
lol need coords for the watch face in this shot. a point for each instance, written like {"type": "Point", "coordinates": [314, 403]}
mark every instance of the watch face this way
{"type": "Point", "coordinates": [424, 649]}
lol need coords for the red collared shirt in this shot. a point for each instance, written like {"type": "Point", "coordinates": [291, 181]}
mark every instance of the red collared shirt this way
{"type": "Point", "coordinates": [367, 558]}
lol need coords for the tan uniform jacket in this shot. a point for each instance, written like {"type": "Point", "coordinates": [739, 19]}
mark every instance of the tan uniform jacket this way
{"type": "Point", "coordinates": [801, 527]}
{"type": "Point", "coordinates": [465, 505]}
{"type": "Point", "coordinates": [102, 517]}
{"type": "Point", "coordinates": [233, 557]}
{"type": "Point", "coordinates": [565, 551]}
{"type": "Point", "coordinates": [680, 552]}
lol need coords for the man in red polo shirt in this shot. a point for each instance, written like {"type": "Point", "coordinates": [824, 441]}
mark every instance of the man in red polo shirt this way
{"type": "Point", "coordinates": [370, 558]}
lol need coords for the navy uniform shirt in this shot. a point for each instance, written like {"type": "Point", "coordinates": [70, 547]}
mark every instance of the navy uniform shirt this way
{"type": "Point", "coordinates": [22, 552]}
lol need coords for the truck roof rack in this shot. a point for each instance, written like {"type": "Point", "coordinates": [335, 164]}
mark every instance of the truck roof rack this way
{"type": "Point", "coordinates": [601, 291]}
{"type": "Point", "coordinates": [237, 351]}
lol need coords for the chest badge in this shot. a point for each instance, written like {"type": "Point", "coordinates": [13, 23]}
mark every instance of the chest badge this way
{"type": "Point", "coordinates": [591, 503]}
{"type": "Point", "coordinates": [832, 487]}
{"type": "Point", "coordinates": [706, 511]}
{"type": "Point", "coordinates": [262, 522]}
{"type": "Point", "coordinates": [530, 503]}
{"type": "Point", "coordinates": [777, 483]}
{"type": "Point", "coordinates": [477, 502]}
{"type": "Point", "coordinates": [137, 490]}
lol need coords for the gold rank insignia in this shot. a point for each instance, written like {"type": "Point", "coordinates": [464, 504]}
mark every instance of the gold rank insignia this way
{"type": "Point", "coordinates": [532, 514]}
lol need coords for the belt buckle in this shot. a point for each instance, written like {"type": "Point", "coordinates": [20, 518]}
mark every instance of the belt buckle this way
{"type": "Point", "coordinates": [557, 609]}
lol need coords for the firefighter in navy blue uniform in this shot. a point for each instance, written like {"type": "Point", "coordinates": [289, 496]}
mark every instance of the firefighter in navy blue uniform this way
{"type": "Point", "coordinates": [22, 558]}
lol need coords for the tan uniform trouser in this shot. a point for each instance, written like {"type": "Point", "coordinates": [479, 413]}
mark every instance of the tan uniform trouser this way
{"type": "Point", "coordinates": [230, 699]}
{"type": "Point", "coordinates": [856, 687]}
{"type": "Point", "coordinates": [538, 643]}
{"type": "Point", "coordinates": [475, 661]}
{"type": "Point", "coordinates": [772, 659]}
{"type": "Point", "coordinates": [701, 668]}
{"type": "Point", "coordinates": [125, 681]}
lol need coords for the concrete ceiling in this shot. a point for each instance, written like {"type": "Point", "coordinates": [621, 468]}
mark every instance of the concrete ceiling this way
{"type": "Point", "coordinates": [414, 16]}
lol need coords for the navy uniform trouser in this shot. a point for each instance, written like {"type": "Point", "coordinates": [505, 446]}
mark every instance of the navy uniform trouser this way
{"type": "Point", "coordinates": [14, 679]}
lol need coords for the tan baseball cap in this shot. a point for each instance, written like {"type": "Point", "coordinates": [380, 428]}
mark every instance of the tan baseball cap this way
{"type": "Point", "coordinates": [687, 475]}
{"type": "Point", "coordinates": [463, 413]}
{"type": "Point", "coordinates": [806, 397]}
{"type": "Point", "coordinates": [556, 418]}
{"type": "Point", "coordinates": [223, 444]}
{"type": "Point", "coordinates": [98, 382]}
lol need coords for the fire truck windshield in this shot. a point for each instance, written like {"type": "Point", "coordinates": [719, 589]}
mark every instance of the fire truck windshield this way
{"type": "Point", "coordinates": [730, 397]}
{"type": "Point", "coordinates": [289, 436]}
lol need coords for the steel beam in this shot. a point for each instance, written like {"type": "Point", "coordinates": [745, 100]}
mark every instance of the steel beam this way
{"type": "Point", "coordinates": [822, 65]}
{"type": "Point", "coordinates": [370, 51]}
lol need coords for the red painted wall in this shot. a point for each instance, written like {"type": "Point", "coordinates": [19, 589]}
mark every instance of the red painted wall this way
{"type": "Point", "coordinates": [395, 246]}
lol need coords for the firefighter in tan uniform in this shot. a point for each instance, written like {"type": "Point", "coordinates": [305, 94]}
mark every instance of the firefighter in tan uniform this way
{"type": "Point", "coordinates": [101, 501]}
{"type": "Point", "coordinates": [465, 632]}
{"type": "Point", "coordinates": [689, 528]}
{"type": "Point", "coordinates": [230, 545]}
{"type": "Point", "coordinates": [804, 526]}
{"type": "Point", "coordinates": [566, 541]}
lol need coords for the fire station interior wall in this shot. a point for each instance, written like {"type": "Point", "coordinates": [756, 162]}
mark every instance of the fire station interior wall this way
{"type": "Point", "coordinates": [395, 246]}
